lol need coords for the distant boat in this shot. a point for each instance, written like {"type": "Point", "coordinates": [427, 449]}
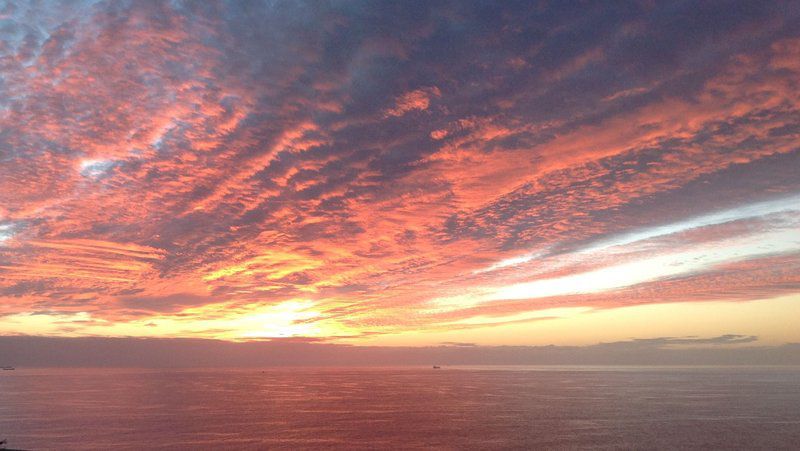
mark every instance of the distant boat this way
{"type": "Point", "coordinates": [8, 368]}
{"type": "Point", "coordinates": [436, 367]}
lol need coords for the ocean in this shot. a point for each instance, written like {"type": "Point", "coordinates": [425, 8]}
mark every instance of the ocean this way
{"type": "Point", "coordinates": [402, 408]}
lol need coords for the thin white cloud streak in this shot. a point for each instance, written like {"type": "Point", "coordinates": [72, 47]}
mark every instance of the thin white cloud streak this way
{"type": "Point", "coordinates": [649, 269]}
{"type": "Point", "coordinates": [514, 261]}
{"type": "Point", "coordinates": [778, 237]}
{"type": "Point", "coordinates": [785, 205]}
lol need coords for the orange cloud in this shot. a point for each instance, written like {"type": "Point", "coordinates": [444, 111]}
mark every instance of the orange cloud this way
{"type": "Point", "coordinates": [419, 99]}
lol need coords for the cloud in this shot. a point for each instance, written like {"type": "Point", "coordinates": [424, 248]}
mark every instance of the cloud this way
{"type": "Point", "coordinates": [457, 343]}
{"type": "Point", "coordinates": [168, 303]}
{"type": "Point", "coordinates": [400, 169]}
{"type": "Point", "coordinates": [30, 351]}
{"type": "Point", "coordinates": [419, 99]}
{"type": "Point", "coordinates": [662, 342]}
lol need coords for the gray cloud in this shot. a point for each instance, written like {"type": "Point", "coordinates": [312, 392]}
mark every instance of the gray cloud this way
{"type": "Point", "coordinates": [126, 352]}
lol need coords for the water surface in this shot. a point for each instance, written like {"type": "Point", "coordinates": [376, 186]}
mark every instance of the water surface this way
{"type": "Point", "coordinates": [492, 407]}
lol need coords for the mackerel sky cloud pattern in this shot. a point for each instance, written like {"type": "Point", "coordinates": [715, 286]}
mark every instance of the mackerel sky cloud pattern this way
{"type": "Point", "coordinates": [349, 170]}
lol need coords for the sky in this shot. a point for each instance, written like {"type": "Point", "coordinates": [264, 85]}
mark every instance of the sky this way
{"type": "Point", "coordinates": [401, 173]}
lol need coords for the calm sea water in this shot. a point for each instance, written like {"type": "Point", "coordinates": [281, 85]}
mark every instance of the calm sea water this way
{"type": "Point", "coordinates": [530, 407]}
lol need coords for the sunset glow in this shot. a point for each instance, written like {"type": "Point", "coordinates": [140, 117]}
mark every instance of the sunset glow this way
{"type": "Point", "coordinates": [373, 174]}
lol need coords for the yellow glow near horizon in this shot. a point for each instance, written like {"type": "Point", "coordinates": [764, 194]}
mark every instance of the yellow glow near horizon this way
{"type": "Point", "coordinates": [774, 321]}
